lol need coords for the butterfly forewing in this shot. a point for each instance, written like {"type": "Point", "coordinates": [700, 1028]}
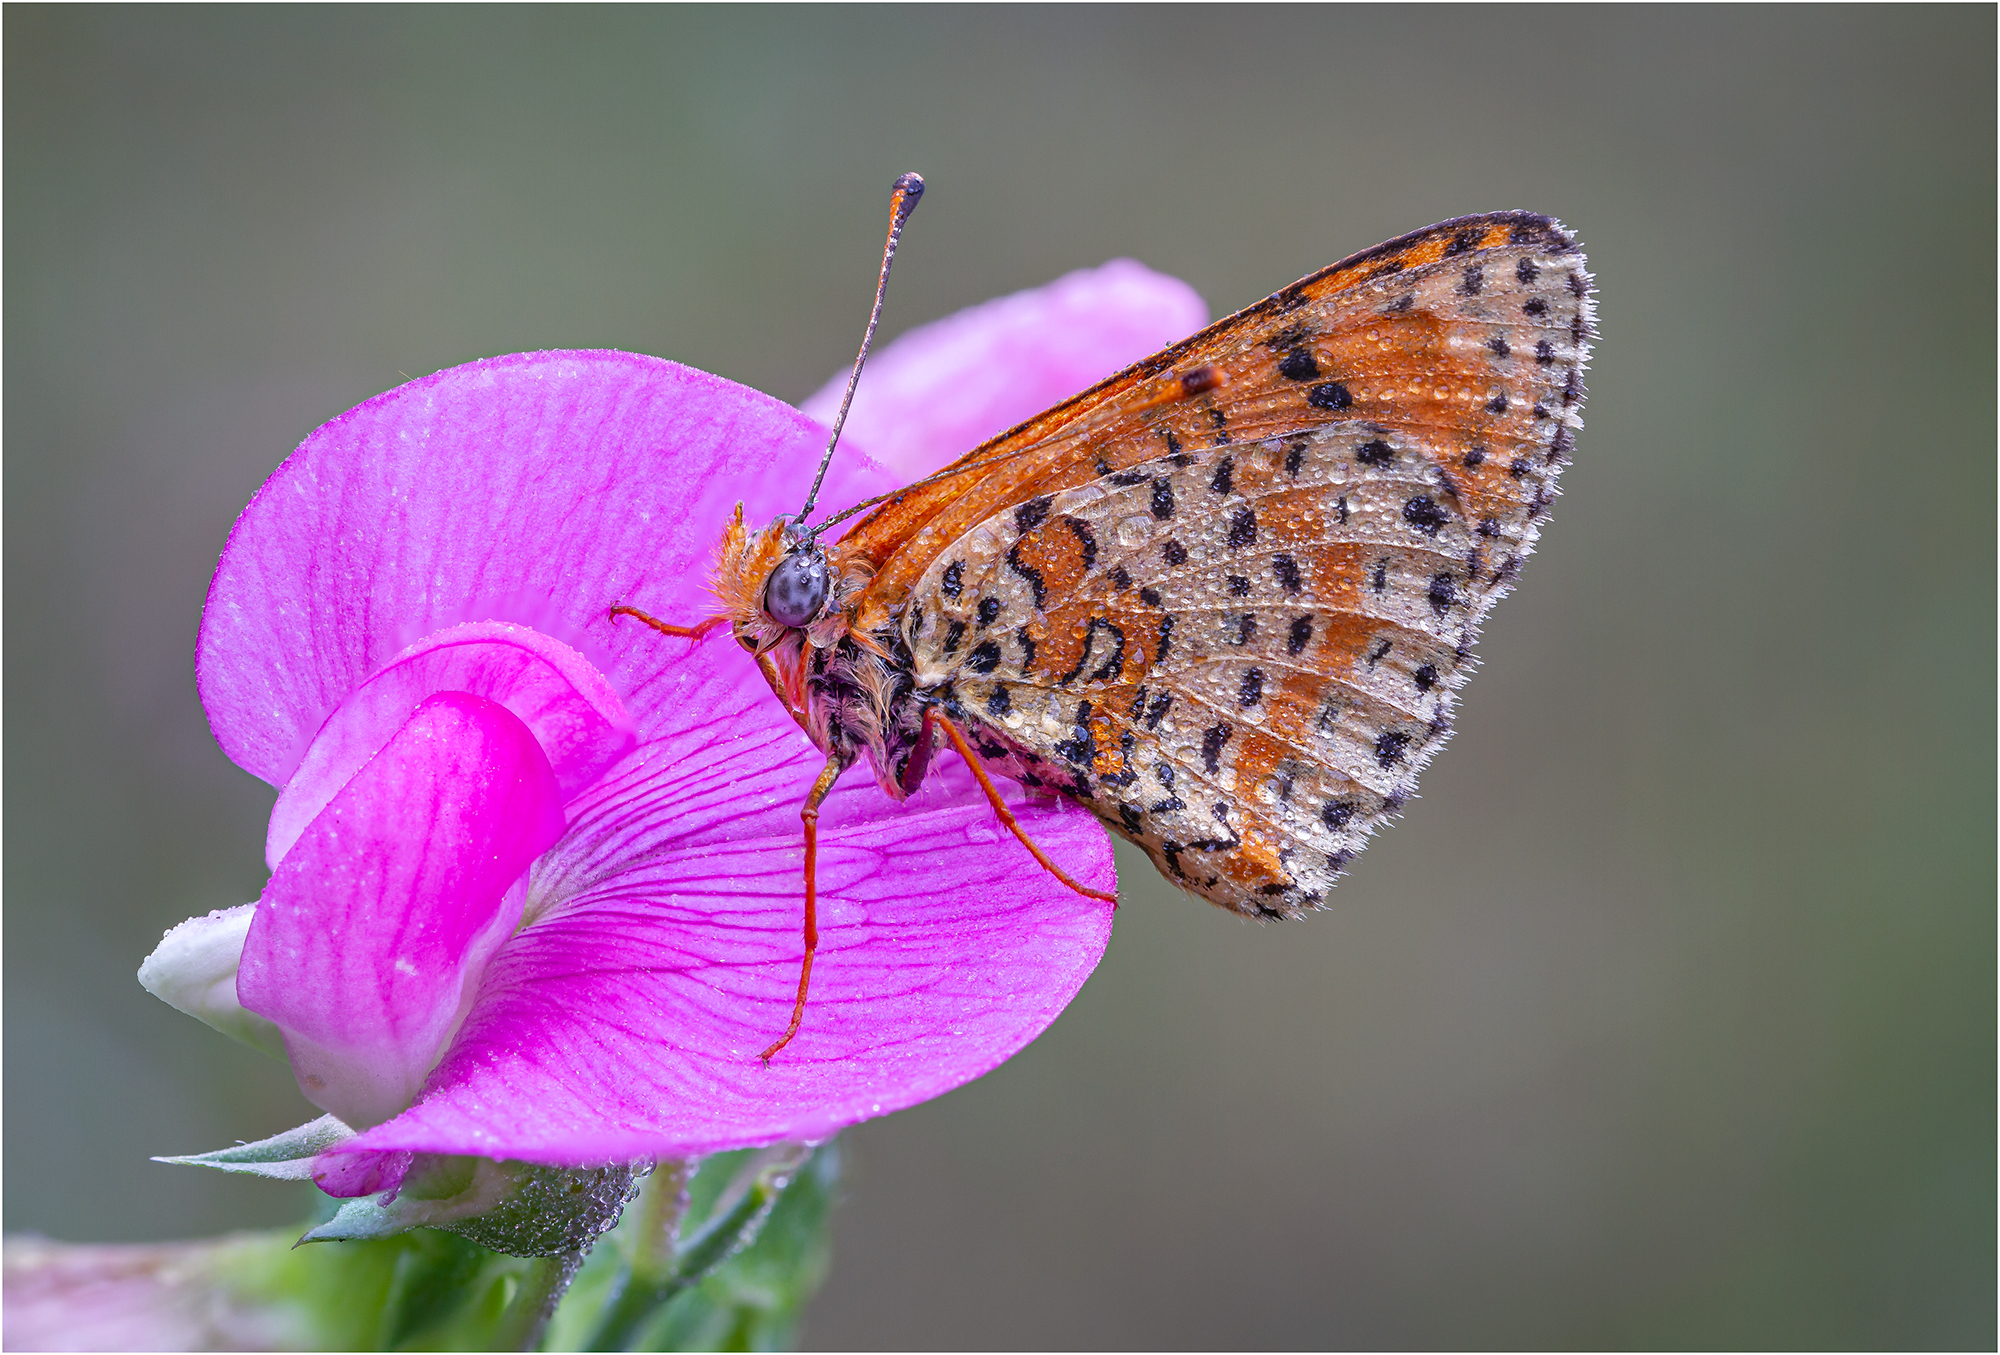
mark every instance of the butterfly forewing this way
{"type": "Point", "coordinates": [1226, 597]}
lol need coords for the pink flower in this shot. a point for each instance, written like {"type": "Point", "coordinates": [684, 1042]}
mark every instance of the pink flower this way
{"type": "Point", "coordinates": [536, 882]}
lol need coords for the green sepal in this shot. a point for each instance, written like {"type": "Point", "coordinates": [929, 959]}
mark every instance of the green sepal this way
{"type": "Point", "coordinates": [511, 1207]}
{"type": "Point", "coordinates": [282, 1157]}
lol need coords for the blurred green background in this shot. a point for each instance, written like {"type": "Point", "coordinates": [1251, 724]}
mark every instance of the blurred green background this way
{"type": "Point", "coordinates": [1665, 1017]}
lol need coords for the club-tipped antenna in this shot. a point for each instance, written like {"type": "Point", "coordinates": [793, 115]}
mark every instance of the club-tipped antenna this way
{"type": "Point", "coordinates": [902, 201]}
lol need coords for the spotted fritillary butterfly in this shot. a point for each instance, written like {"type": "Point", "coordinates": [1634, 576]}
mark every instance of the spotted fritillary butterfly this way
{"type": "Point", "coordinates": [1223, 599]}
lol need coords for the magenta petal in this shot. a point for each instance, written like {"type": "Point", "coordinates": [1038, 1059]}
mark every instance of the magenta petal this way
{"type": "Point", "coordinates": [572, 711]}
{"type": "Point", "coordinates": [538, 488]}
{"type": "Point", "coordinates": [626, 1022]}
{"type": "Point", "coordinates": [943, 389]}
{"type": "Point", "coordinates": [376, 924]}
{"type": "Point", "coordinates": [346, 1175]}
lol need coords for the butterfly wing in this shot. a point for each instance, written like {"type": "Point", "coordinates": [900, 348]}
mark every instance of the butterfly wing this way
{"type": "Point", "coordinates": [1226, 597]}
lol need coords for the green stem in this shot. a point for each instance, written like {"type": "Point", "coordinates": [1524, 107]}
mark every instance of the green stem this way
{"type": "Point", "coordinates": [663, 1203]}
{"type": "Point", "coordinates": [542, 1287]}
{"type": "Point", "coordinates": [642, 1295]}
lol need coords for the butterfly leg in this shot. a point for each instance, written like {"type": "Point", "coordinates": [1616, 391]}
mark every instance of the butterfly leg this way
{"type": "Point", "coordinates": [932, 716]}
{"type": "Point", "coordinates": [694, 634]}
{"type": "Point", "coordinates": [810, 813]}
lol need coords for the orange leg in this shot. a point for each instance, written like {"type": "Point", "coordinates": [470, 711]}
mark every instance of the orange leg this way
{"type": "Point", "coordinates": [932, 717]}
{"type": "Point", "coordinates": [810, 813]}
{"type": "Point", "coordinates": [693, 634]}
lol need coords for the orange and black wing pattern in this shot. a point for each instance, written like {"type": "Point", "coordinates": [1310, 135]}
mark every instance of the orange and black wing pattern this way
{"type": "Point", "coordinates": [1226, 597]}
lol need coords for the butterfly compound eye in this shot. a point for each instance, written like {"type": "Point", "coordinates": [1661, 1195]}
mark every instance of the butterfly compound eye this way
{"type": "Point", "coordinates": [796, 591]}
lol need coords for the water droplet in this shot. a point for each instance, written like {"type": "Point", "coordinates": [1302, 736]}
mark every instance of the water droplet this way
{"type": "Point", "coordinates": [1135, 531]}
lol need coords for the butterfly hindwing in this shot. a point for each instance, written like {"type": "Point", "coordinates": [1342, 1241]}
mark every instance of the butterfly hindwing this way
{"type": "Point", "coordinates": [1229, 611]}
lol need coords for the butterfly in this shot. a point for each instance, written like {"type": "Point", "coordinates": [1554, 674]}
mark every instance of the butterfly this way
{"type": "Point", "coordinates": [1223, 599]}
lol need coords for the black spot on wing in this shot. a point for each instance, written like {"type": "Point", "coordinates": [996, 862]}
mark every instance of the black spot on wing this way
{"type": "Point", "coordinates": [952, 582]}
{"type": "Point", "coordinates": [1443, 593]}
{"type": "Point", "coordinates": [1389, 747]}
{"type": "Point", "coordinates": [1113, 666]}
{"type": "Point", "coordinates": [1212, 741]}
{"type": "Point", "coordinates": [1224, 468]}
{"type": "Point", "coordinates": [1031, 514]}
{"type": "Point", "coordinates": [1287, 571]}
{"type": "Point", "coordinates": [1028, 572]}
{"type": "Point", "coordinates": [1080, 747]}
{"type": "Point", "coordinates": [1163, 498]}
{"type": "Point", "coordinates": [988, 609]}
{"type": "Point", "coordinates": [1085, 538]}
{"type": "Point", "coordinates": [1424, 514]}
{"type": "Point", "coordinates": [1298, 365]}
{"type": "Point", "coordinates": [1329, 395]}
{"type": "Point", "coordinates": [1242, 528]}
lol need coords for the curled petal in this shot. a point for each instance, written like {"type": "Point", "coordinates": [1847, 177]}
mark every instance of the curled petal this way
{"type": "Point", "coordinates": [377, 924]}
{"type": "Point", "coordinates": [558, 694]}
{"type": "Point", "coordinates": [942, 389]}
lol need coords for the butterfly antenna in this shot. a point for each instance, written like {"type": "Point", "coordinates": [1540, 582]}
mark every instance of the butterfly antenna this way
{"type": "Point", "coordinates": [902, 201]}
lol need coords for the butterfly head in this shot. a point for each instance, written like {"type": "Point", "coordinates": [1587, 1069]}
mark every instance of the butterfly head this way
{"type": "Point", "coordinates": [796, 593]}
{"type": "Point", "coordinates": [780, 584]}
